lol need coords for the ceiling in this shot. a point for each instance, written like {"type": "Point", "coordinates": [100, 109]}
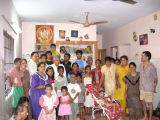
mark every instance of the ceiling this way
{"type": "Point", "coordinates": [60, 11]}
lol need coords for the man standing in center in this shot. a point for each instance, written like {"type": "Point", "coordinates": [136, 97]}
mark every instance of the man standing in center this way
{"type": "Point", "coordinates": [79, 61]}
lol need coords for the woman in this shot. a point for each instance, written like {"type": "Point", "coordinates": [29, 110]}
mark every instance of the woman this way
{"type": "Point", "coordinates": [39, 79]}
{"type": "Point", "coordinates": [132, 92]}
{"type": "Point", "coordinates": [96, 72]}
{"type": "Point", "coordinates": [122, 70]}
{"type": "Point", "coordinates": [26, 84]}
{"type": "Point", "coordinates": [108, 72]}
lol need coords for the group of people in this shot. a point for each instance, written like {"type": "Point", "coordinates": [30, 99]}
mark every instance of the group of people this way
{"type": "Point", "coordinates": [55, 88]}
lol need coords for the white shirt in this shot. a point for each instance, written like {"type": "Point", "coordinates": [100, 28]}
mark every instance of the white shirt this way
{"type": "Point", "coordinates": [73, 89]}
{"type": "Point", "coordinates": [93, 66]}
{"type": "Point", "coordinates": [56, 71]}
{"type": "Point", "coordinates": [32, 67]}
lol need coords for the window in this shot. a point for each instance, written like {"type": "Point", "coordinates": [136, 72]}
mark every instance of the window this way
{"type": "Point", "coordinates": [8, 57]}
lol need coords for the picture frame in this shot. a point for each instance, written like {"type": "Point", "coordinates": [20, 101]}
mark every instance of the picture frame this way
{"type": "Point", "coordinates": [74, 33]}
{"type": "Point", "coordinates": [67, 39]}
{"type": "Point", "coordinates": [143, 39]}
{"type": "Point", "coordinates": [62, 34]}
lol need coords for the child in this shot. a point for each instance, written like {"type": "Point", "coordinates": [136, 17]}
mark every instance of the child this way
{"type": "Point", "coordinates": [87, 79]}
{"type": "Point", "coordinates": [60, 81]}
{"type": "Point", "coordinates": [103, 102]}
{"type": "Point", "coordinates": [74, 70]}
{"type": "Point", "coordinates": [49, 58]}
{"type": "Point", "coordinates": [73, 89]}
{"type": "Point", "coordinates": [50, 73]}
{"type": "Point", "coordinates": [48, 103]}
{"type": "Point", "coordinates": [53, 49]}
{"type": "Point", "coordinates": [64, 108]}
{"type": "Point", "coordinates": [81, 96]}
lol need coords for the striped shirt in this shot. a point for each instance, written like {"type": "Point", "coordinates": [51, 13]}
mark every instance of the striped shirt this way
{"type": "Point", "coordinates": [147, 77]}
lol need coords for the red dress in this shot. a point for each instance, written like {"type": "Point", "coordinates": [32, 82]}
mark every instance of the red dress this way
{"type": "Point", "coordinates": [96, 75]}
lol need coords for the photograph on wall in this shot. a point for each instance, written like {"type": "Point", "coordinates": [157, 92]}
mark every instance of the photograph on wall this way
{"type": "Point", "coordinates": [74, 33]}
{"type": "Point", "coordinates": [44, 34]}
{"type": "Point", "coordinates": [143, 39]}
{"type": "Point", "coordinates": [62, 34]}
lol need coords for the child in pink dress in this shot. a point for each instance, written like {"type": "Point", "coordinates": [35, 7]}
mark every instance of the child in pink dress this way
{"type": "Point", "coordinates": [48, 103]}
{"type": "Point", "coordinates": [64, 108]}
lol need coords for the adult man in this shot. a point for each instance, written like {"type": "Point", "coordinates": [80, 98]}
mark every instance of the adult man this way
{"type": "Point", "coordinates": [32, 65]}
{"type": "Point", "coordinates": [16, 81]}
{"type": "Point", "coordinates": [148, 82]}
{"type": "Point", "coordinates": [21, 113]}
{"type": "Point", "coordinates": [90, 62]}
{"type": "Point", "coordinates": [82, 64]}
{"type": "Point", "coordinates": [56, 65]}
{"type": "Point", "coordinates": [67, 63]}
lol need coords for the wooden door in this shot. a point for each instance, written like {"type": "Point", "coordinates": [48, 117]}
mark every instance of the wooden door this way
{"type": "Point", "coordinates": [102, 55]}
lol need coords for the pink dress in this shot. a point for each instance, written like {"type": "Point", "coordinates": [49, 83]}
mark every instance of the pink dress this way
{"type": "Point", "coordinates": [64, 109]}
{"type": "Point", "coordinates": [48, 103]}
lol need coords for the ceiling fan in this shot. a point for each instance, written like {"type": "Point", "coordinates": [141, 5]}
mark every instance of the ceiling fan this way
{"type": "Point", "coordinates": [126, 1]}
{"type": "Point", "coordinates": [87, 24]}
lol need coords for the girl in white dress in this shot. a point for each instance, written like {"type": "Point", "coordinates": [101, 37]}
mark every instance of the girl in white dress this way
{"type": "Point", "coordinates": [87, 79]}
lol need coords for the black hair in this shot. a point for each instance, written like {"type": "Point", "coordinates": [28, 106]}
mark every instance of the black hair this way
{"type": "Point", "coordinates": [108, 59]}
{"type": "Point", "coordinates": [52, 45]}
{"type": "Point", "coordinates": [124, 56]}
{"type": "Point", "coordinates": [67, 54]}
{"type": "Point", "coordinates": [73, 74]}
{"type": "Point", "coordinates": [24, 60]}
{"type": "Point", "coordinates": [33, 53]}
{"type": "Point", "coordinates": [60, 67]}
{"type": "Point", "coordinates": [23, 100]}
{"type": "Point", "coordinates": [132, 63]}
{"type": "Point", "coordinates": [48, 85]}
{"type": "Point", "coordinates": [75, 64]}
{"type": "Point", "coordinates": [112, 59]}
{"type": "Point", "coordinates": [64, 88]}
{"type": "Point", "coordinates": [79, 51]}
{"type": "Point", "coordinates": [98, 60]}
{"type": "Point", "coordinates": [79, 75]}
{"type": "Point", "coordinates": [101, 91]}
{"type": "Point", "coordinates": [147, 54]}
{"type": "Point", "coordinates": [43, 55]}
{"type": "Point", "coordinates": [39, 64]}
{"type": "Point", "coordinates": [48, 52]}
{"type": "Point", "coordinates": [19, 108]}
{"type": "Point", "coordinates": [118, 60]}
{"type": "Point", "coordinates": [50, 68]}
{"type": "Point", "coordinates": [16, 60]}
{"type": "Point", "coordinates": [87, 66]}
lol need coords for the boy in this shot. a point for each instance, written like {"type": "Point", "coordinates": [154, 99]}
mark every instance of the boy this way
{"type": "Point", "coordinates": [16, 81]}
{"type": "Point", "coordinates": [49, 58]}
{"type": "Point", "coordinates": [60, 81]}
{"type": "Point", "coordinates": [43, 58]}
{"type": "Point", "coordinates": [81, 96]}
{"type": "Point", "coordinates": [73, 89]}
{"type": "Point", "coordinates": [53, 49]}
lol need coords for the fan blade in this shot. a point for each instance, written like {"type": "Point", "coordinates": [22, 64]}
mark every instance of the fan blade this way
{"type": "Point", "coordinates": [75, 22]}
{"type": "Point", "coordinates": [94, 23]}
{"type": "Point", "coordinates": [127, 1]}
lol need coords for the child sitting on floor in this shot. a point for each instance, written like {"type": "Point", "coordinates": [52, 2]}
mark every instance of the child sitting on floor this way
{"type": "Point", "coordinates": [103, 102]}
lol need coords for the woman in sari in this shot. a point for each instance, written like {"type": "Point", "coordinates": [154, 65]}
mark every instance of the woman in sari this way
{"type": "Point", "coordinates": [39, 79]}
{"type": "Point", "coordinates": [108, 72]}
{"type": "Point", "coordinates": [96, 72]}
{"type": "Point", "coordinates": [122, 70]}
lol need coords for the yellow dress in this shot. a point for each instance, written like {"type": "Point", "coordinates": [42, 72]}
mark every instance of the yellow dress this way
{"type": "Point", "coordinates": [110, 81]}
{"type": "Point", "coordinates": [119, 94]}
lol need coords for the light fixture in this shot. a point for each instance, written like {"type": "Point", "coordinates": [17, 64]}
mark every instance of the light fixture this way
{"type": "Point", "coordinates": [16, 27]}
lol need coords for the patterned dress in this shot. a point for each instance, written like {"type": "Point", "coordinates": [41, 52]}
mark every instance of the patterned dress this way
{"type": "Point", "coordinates": [133, 97]}
{"type": "Point", "coordinates": [96, 75]}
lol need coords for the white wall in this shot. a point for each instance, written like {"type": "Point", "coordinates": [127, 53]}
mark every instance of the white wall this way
{"type": "Point", "coordinates": [8, 10]}
{"type": "Point", "coordinates": [124, 50]}
{"type": "Point", "coordinates": [99, 41]}
{"type": "Point", "coordinates": [29, 33]}
{"type": "Point", "coordinates": [124, 35]}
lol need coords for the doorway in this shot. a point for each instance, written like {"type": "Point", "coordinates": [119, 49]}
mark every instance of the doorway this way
{"type": "Point", "coordinates": [114, 52]}
{"type": "Point", "coordinates": [102, 53]}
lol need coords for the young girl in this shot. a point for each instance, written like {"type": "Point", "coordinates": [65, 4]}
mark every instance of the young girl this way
{"type": "Point", "coordinates": [50, 73]}
{"type": "Point", "coordinates": [48, 103]}
{"type": "Point", "coordinates": [64, 108]}
{"type": "Point", "coordinates": [87, 79]}
{"type": "Point", "coordinates": [75, 67]}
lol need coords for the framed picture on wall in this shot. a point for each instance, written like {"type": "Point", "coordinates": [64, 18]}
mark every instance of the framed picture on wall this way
{"type": "Point", "coordinates": [62, 34]}
{"type": "Point", "coordinates": [74, 33]}
{"type": "Point", "coordinates": [143, 39]}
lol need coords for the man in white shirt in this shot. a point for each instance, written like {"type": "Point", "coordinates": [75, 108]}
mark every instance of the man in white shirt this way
{"type": "Point", "coordinates": [32, 65]}
{"type": "Point", "coordinates": [56, 65]}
